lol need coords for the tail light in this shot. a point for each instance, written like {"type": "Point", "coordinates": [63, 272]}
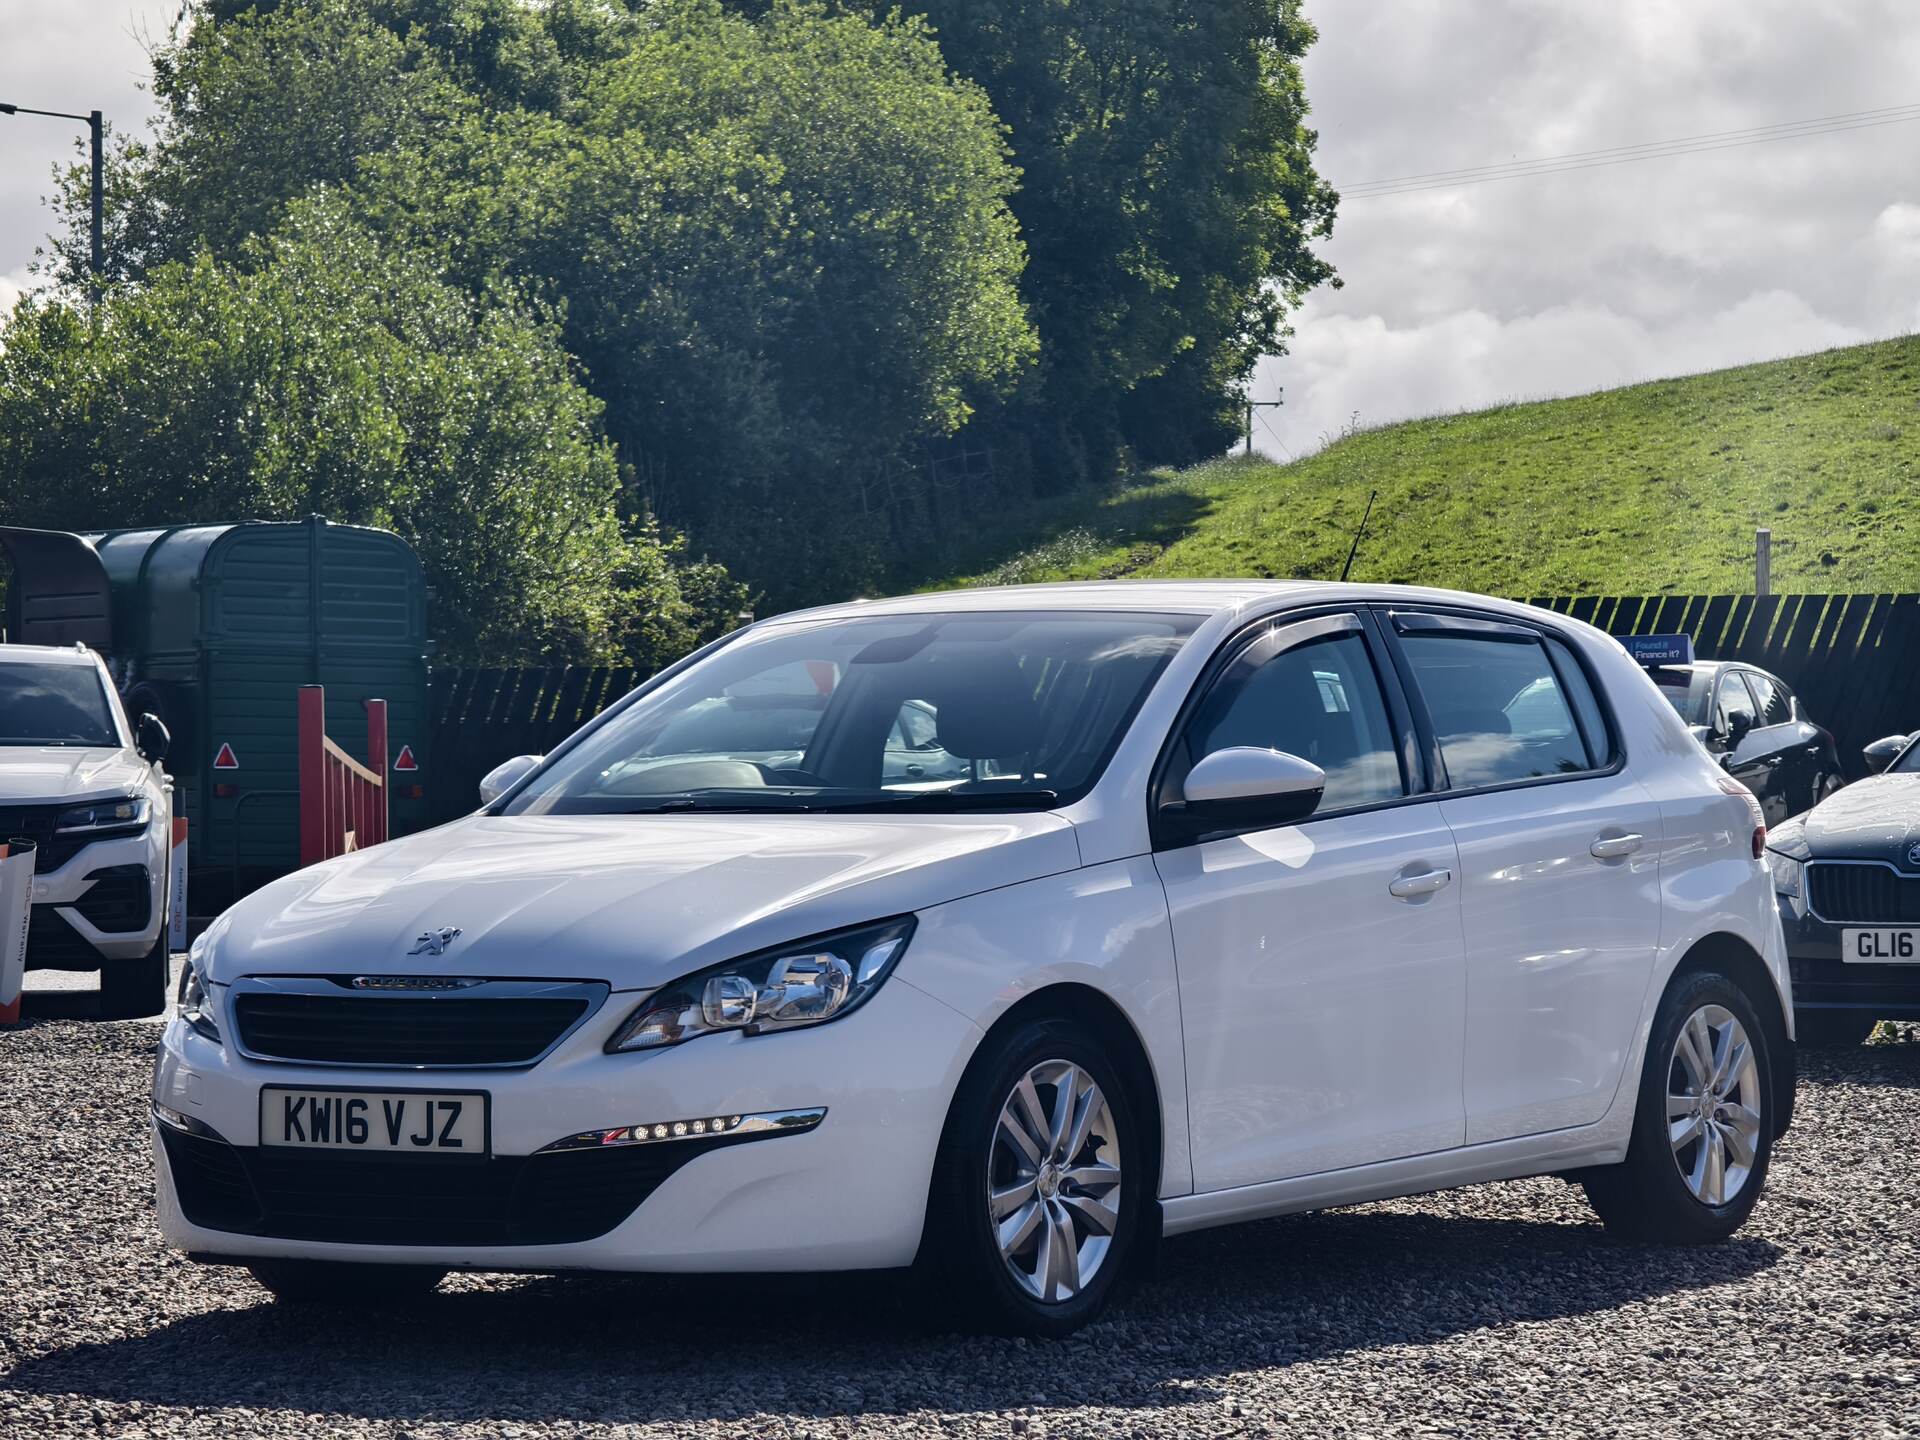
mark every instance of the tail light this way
{"type": "Point", "coordinates": [1734, 787]}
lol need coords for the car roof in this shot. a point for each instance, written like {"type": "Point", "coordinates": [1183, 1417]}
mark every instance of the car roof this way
{"type": "Point", "coordinates": [49, 654]}
{"type": "Point", "coordinates": [1707, 667]}
{"type": "Point", "coordinates": [1193, 597]}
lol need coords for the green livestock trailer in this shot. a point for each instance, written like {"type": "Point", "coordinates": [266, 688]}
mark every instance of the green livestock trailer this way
{"type": "Point", "coordinates": [214, 628]}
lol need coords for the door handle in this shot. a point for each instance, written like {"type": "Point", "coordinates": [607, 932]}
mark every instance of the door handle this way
{"type": "Point", "coordinates": [1412, 887]}
{"type": "Point", "coordinates": [1616, 847]}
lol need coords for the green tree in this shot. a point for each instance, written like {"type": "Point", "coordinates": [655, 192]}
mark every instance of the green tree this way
{"type": "Point", "coordinates": [329, 373]}
{"type": "Point", "coordinates": [1170, 205]}
{"type": "Point", "coordinates": [780, 248]}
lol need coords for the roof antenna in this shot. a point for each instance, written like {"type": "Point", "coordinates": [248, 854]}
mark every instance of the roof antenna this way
{"type": "Point", "coordinates": [1359, 535]}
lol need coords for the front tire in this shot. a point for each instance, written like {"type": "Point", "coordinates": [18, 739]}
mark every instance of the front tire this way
{"type": "Point", "coordinates": [1703, 1126]}
{"type": "Point", "coordinates": [339, 1282]}
{"type": "Point", "coordinates": [135, 989]}
{"type": "Point", "coordinates": [1039, 1188]}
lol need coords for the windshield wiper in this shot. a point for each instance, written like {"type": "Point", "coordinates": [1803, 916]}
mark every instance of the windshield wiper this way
{"type": "Point", "coordinates": [779, 803]}
{"type": "Point", "coordinates": [948, 801]}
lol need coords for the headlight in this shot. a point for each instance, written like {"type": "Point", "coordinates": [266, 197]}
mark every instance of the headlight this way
{"type": "Point", "coordinates": [1789, 874]}
{"type": "Point", "coordinates": [194, 1003]}
{"type": "Point", "coordinates": [787, 988]}
{"type": "Point", "coordinates": [117, 814]}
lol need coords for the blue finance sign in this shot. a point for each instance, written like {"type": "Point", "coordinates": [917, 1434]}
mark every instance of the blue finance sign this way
{"type": "Point", "coordinates": [1660, 649]}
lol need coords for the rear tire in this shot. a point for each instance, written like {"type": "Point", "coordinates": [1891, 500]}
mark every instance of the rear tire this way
{"type": "Point", "coordinates": [135, 989]}
{"type": "Point", "coordinates": [1833, 1029]}
{"type": "Point", "coordinates": [1703, 1123]}
{"type": "Point", "coordinates": [1064, 1183]}
{"type": "Point", "coordinates": [339, 1282]}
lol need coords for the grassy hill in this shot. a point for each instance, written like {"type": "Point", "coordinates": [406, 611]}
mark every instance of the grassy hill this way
{"type": "Point", "coordinates": [1653, 488]}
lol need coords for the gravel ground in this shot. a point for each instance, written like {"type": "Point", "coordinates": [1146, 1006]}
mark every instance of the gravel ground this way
{"type": "Point", "coordinates": [1502, 1310]}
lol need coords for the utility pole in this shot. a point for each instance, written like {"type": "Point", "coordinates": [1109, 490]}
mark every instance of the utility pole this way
{"type": "Point", "coordinates": [97, 260]}
{"type": "Point", "coordinates": [1253, 405]}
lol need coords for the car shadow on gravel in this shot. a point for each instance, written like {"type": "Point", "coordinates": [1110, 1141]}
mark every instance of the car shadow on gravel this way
{"type": "Point", "coordinates": [613, 1350]}
{"type": "Point", "coordinates": [1882, 1064]}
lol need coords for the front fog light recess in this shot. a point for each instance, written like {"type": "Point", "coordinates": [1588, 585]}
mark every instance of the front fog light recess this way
{"type": "Point", "coordinates": [788, 988]}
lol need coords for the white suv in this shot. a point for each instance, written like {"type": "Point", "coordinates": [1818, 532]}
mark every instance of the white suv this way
{"type": "Point", "coordinates": [1248, 898]}
{"type": "Point", "coordinates": [88, 790]}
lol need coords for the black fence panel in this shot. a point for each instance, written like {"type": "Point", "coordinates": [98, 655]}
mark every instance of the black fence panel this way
{"type": "Point", "coordinates": [1854, 661]}
{"type": "Point", "coordinates": [1850, 658]}
{"type": "Point", "coordinates": [483, 715]}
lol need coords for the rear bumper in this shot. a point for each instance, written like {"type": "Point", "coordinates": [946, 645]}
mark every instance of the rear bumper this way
{"type": "Point", "coordinates": [1824, 983]}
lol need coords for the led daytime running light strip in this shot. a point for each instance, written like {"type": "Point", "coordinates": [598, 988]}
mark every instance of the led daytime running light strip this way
{"type": "Point", "coordinates": [723, 1127]}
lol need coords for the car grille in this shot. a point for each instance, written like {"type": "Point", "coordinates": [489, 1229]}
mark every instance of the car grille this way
{"type": "Point", "coordinates": [35, 823]}
{"type": "Point", "coordinates": [440, 1030]}
{"type": "Point", "coordinates": [1862, 895]}
{"type": "Point", "coordinates": [290, 1194]}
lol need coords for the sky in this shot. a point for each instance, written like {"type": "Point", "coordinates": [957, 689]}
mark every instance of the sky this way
{"type": "Point", "coordinates": [1466, 297]}
{"type": "Point", "coordinates": [1455, 298]}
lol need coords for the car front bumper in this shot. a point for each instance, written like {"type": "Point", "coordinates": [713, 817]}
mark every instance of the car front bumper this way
{"type": "Point", "coordinates": [1824, 983]}
{"type": "Point", "coordinates": [848, 1194]}
{"type": "Point", "coordinates": [60, 935]}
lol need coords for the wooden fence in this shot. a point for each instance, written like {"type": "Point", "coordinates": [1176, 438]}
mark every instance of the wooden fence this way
{"type": "Point", "coordinates": [1854, 660]}
{"type": "Point", "coordinates": [1850, 658]}
{"type": "Point", "coordinates": [483, 715]}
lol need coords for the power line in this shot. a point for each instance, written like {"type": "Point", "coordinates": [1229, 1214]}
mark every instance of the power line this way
{"type": "Point", "coordinates": [1630, 154]}
{"type": "Point", "coordinates": [1276, 437]}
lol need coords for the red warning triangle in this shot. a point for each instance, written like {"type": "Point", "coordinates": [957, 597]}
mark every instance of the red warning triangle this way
{"type": "Point", "coordinates": [404, 763]}
{"type": "Point", "coordinates": [226, 759]}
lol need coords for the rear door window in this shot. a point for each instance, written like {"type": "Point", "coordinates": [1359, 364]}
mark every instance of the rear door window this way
{"type": "Point", "coordinates": [1501, 709]}
{"type": "Point", "coordinates": [1772, 699]}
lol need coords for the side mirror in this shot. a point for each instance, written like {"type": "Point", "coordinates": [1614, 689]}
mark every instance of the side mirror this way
{"type": "Point", "coordinates": [1881, 753]}
{"type": "Point", "coordinates": [150, 738]}
{"type": "Point", "coordinates": [504, 777]}
{"type": "Point", "coordinates": [1739, 726]}
{"type": "Point", "coordinates": [1247, 786]}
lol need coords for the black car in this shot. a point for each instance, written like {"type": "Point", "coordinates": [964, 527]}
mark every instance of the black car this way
{"type": "Point", "coordinates": [1847, 878]}
{"type": "Point", "coordinates": [1759, 731]}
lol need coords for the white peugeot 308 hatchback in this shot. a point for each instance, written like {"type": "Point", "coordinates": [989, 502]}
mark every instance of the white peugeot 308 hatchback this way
{"type": "Point", "coordinates": [1212, 901]}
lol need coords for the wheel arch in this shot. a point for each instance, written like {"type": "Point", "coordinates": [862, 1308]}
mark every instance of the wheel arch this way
{"type": "Point", "coordinates": [1727, 954]}
{"type": "Point", "coordinates": [1083, 1004]}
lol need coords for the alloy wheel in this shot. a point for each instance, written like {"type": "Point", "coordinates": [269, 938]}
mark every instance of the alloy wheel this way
{"type": "Point", "coordinates": [1714, 1105]}
{"type": "Point", "coordinates": [1053, 1181]}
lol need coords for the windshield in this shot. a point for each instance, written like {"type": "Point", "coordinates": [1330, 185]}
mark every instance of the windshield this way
{"type": "Point", "coordinates": [53, 705]}
{"type": "Point", "coordinates": [944, 713]}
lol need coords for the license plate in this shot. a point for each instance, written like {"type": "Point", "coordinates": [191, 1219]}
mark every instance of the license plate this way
{"type": "Point", "coordinates": [1880, 947]}
{"type": "Point", "coordinates": [413, 1122]}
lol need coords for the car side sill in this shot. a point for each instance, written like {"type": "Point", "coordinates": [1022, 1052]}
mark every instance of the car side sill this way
{"type": "Point", "coordinates": [1415, 1175]}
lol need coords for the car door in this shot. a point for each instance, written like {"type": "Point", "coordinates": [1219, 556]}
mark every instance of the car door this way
{"type": "Point", "coordinates": [1559, 873]}
{"type": "Point", "coordinates": [1321, 967]}
{"type": "Point", "coordinates": [1752, 749]}
{"type": "Point", "coordinates": [1800, 745]}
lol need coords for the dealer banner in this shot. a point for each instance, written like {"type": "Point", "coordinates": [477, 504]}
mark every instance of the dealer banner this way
{"type": "Point", "coordinates": [16, 907]}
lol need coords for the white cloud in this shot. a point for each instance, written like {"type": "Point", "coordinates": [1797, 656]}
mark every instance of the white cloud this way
{"type": "Point", "coordinates": [1460, 298]}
